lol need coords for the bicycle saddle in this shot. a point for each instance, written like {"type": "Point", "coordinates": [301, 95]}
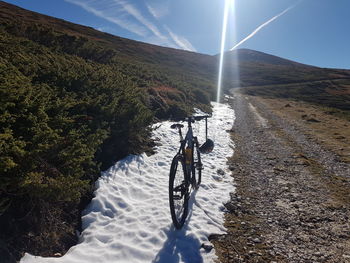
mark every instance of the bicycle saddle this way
{"type": "Point", "coordinates": [176, 125]}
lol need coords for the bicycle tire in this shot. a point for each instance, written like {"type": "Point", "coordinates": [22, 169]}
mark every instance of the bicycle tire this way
{"type": "Point", "coordinates": [197, 165]}
{"type": "Point", "coordinates": [178, 192]}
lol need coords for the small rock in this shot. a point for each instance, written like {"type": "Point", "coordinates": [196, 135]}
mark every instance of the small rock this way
{"type": "Point", "coordinates": [313, 120]}
{"type": "Point", "coordinates": [215, 237]}
{"type": "Point", "coordinates": [207, 247]}
{"type": "Point", "coordinates": [296, 206]}
{"type": "Point", "coordinates": [256, 240]}
{"type": "Point", "coordinates": [57, 255]}
{"type": "Point", "coordinates": [340, 137]}
{"type": "Point", "coordinates": [220, 171]}
{"type": "Point", "coordinates": [318, 254]}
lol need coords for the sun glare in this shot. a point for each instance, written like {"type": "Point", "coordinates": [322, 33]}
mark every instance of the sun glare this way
{"type": "Point", "coordinates": [222, 47]}
{"type": "Point", "coordinates": [228, 5]}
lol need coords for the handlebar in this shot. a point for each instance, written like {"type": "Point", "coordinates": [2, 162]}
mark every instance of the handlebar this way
{"type": "Point", "coordinates": [192, 118]}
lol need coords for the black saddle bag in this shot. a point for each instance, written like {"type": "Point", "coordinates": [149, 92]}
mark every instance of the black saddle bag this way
{"type": "Point", "coordinates": [207, 147]}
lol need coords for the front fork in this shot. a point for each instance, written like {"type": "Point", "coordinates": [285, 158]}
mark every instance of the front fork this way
{"type": "Point", "coordinates": [189, 160]}
{"type": "Point", "coordinates": [188, 163]}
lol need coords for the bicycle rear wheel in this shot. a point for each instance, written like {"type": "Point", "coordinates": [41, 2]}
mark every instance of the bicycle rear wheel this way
{"type": "Point", "coordinates": [178, 192]}
{"type": "Point", "coordinates": [197, 166]}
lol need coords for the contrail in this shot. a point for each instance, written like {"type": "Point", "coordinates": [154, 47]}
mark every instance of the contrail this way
{"type": "Point", "coordinates": [263, 25]}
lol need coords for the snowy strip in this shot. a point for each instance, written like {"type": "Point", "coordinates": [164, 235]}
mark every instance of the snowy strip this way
{"type": "Point", "coordinates": [129, 220]}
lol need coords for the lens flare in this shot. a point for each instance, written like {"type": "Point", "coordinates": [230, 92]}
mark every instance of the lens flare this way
{"type": "Point", "coordinates": [222, 48]}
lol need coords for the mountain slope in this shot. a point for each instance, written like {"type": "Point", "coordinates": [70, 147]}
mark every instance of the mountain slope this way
{"type": "Point", "coordinates": [252, 68]}
{"type": "Point", "coordinates": [247, 55]}
{"type": "Point", "coordinates": [161, 65]}
{"type": "Point", "coordinates": [256, 68]}
{"type": "Point", "coordinates": [257, 73]}
{"type": "Point", "coordinates": [198, 70]}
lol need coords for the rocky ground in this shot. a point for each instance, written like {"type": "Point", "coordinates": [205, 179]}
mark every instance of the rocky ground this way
{"type": "Point", "coordinates": [292, 199]}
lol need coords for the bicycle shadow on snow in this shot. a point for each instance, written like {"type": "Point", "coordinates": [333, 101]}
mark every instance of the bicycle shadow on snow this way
{"type": "Point", "coordinates": [179, 245]}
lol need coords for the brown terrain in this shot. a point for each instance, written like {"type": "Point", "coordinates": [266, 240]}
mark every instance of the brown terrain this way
{"type": "Point", "coordinates": [291, 168]}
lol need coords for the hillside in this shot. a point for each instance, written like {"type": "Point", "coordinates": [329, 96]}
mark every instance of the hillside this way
{"type": "Point", "coordinates": [150, 66]}
{"type": "Point", "coordinates": [198, 70]}
{"type": "Point", "coordinates": [257, 73]}
{"type": "Point", "coordinates": [162, 65]}
{"type": "Point", "coordinates": [73, 100]}
{"type": "Point", "coordinates": [257, 69]}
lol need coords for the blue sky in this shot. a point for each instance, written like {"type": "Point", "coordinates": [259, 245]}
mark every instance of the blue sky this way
{"type": "Point", "coordinates": [314, 32]}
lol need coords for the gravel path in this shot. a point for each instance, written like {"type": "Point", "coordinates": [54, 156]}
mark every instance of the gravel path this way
{"type": "Point", "coordinates": [292, 202]}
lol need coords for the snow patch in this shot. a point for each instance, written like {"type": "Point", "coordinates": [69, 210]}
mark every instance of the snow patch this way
{"type": "Point", "coordinates": [129, 220]}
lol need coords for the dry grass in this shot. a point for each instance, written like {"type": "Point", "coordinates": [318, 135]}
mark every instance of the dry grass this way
{"type": "Point", "coordinates": [331, 131]}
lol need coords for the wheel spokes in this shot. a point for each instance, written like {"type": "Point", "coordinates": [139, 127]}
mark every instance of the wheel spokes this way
{"type": "Point", "coordinates": [179, 191]}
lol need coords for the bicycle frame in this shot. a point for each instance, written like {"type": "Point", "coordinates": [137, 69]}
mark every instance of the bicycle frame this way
{"type": "Point", "coordinates": [191, 142]}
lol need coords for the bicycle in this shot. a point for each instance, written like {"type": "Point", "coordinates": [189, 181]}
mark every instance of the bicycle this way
{"type": "Point", "coordinates": [188, 158]}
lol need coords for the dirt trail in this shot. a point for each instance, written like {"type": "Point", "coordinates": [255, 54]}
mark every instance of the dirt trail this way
{"type": "Point", "coordinates": [292, 202]}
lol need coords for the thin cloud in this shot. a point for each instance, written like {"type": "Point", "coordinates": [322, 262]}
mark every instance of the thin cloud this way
{"type": "Point", "coordinates": [138, 16]}
{"type": "Point", "coordinates": [158, 11]}
{"type": "Point", "coordinates": [108, 14]}
{"type": "Point", "coordinates": [264, 25]}
{"type": "Point", "coordinates": [127, 16]}
{"type": "Point", "coordinates": [180, 41]}
{"type": "Point", "coordinates": [153, 11]}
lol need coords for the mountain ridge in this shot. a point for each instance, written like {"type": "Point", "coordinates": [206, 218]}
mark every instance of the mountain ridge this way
{"type": "Point", "coordinates": [67, 26]}
{"type": "Point", "coordinates": [250, 55]}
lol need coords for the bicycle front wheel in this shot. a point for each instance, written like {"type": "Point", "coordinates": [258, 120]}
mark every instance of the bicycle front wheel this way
{"type": "Point", "coordinates": [178, 191]}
